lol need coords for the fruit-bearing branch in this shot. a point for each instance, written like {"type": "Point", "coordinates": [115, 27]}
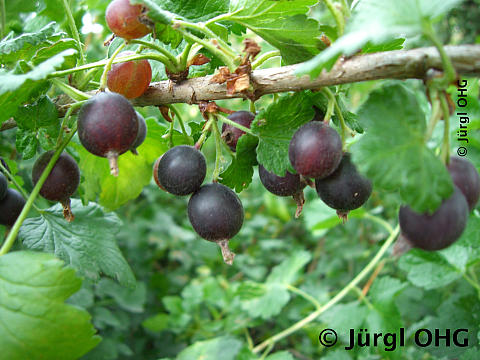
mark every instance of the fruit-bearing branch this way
{"type": "Point", "coordinates": [400, 64]}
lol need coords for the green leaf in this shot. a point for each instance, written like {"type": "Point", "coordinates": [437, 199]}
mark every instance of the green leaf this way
{"type": "Point", "coordinates": [319, 216]}
{"type": "Point", "coordinates": [193, 10]}
{"type": "Point", "coordinates": [393, 153]}
{"type": "Point", "coordinates": [87, 244]}
{"type": "Point", "coordinates": [343, 317]}
{"type": "Point", "coordinates": [25, 45]}
{"type": "Point", "coordinates": [287, 272]}
{"type": "Point", "coordinates": [33, 290]}
{"type": "Point", "coordinates": [156, 323]}
{"type": "Point", "coordinates": [225, 348]}
{"type": "Point", "coordinates": [240, 172]}
{"type": "Point", "coordinates": [129, 299]}
{"type": "Point", "coordinates": [428, 270]}
{"type": "Point", "coordinates": [26, 143]}
{"type": "Point", "coordinates": [16, 89]}
{"type": "Point", "coordinates": [275, 127]}
{"type": "Point", "coordinates": [135, 171]}
{"type": "Point", "coordinates": [46, 52]}
{"type": "Point", "coordinates": [387, 20]}
{"type": "Point", "coordinates": [281, 355]}
{"type": "Point", "coordinates": [284, 26]}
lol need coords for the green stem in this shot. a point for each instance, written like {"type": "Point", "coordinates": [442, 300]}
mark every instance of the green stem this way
{"type": "Point", "coordinates": [228, 61]}
{"type": "Point", "coordinates": [205, 130]}
{"type": "Point", "coordinates": [266, 352]}
{"type": "Point", "coordinates": [345, 129]}
{"type": "Point", "coordinates": [218, 151]}
{"type": "Point", "coordinates": [249, 338]}
{"type": "Point", "coordinates": [184, 55]}
{"type": "Point", "coordinates": [75, 94]}
{"type": "Point", "coordinates": [17, 185]}
{"type": "Point", "coordinates": [346, 9]}
{"type": "Point", "coordinates": [338, 16]}
{"type": "Point", "coordinates": [448, 69]}
{"type": "Point", "coordinates": [170, 135]}
{"type": "Point", "coordinates": [63, 126]}
{"type": "Point", "coordinates": [445, 154]}
{"type": "Point", "coordinates": [300, 324]}
{"type": "Point", "coordinates": [86, 80]}
{"type": "Point", "coordinates": [264, 57]}
{"type": "Point", "coordinates": [435, 116]}
{"type": "Point", "coordinates": [362, 297]}
{"type": "Point", "coordinates": [180, 121]}
{"type": "Point", "coordinates": [472, 282]}
{"type": "Point", "coordinates": [330, 109]}
{"type": "Point", "coordinates": [305, 295]}
{"type": "Point", "coordinates": [234, 124]}
{"type": "Point", "coordinates": [108, 67]}
{"type": "Point", "coordinates": [7, 245]}
{"type": "Point", "coordinates": [252, 107]}
{"type": "Point", "coordinates": [171, 63]}
{"type": "Point", "coordinates": [73, 28]}
{"type": "Point", "coordinates": [380, 221]}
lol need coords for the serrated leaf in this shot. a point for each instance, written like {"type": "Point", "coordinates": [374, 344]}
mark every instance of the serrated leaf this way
{"type": "Point", "coordinates": [193, 10]}
{"type": "Point", "coordinates": [240, 172]}
{"type": "Point", "coordinates": [386, 19]}
{"type": "Point", "coordinates": [393, 152]}
{"type": "Point", "coordinates": [428, 270]}
{"type": "Point", "coordinates": [51, 49]}
{"type": "Point", "coordinates": [33, 290]}
{"type": "Point", "coordinates": [16, 89]}
{"type": "Point", "coordinates": [129, 299]}
{"type": "Point", "coordinates": [284, 26]}
{"type": "Point", "coordinates": [87, 244]}
{"type": "Point", "coordinates": [287, 271]}
{"type": "Point", "coordinates": [275, 127]}
{"type": "Point", "coordinates": [135, 171]}
{"type": "Point", "coordinates": [225, 348]}
{"type": "Point", "coordinates": [343, 317]}
{"type": "Point", "coordinates": [269, 304]}
{"type": "Point", "coordinates": [26, 143]}
{"type": "Point", "coordinates": [24, 45]}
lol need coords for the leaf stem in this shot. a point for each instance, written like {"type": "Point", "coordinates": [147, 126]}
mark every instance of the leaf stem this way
{"type": "Point", "coordinates": [184, 55]}
{"type": "Point", "coordinates": [74, 93]}
{"type": "Point", "coordinates": [300, 324]}
{"type": "Point", "coordinates": [305, 295]}
{"type": "Point", "coordinates": [108, 67]}
{"type": "Point", "coordinates": [180, 121]}
{"type": "Point", "coordinates": [338, 16]}
{"type": "Point", "coordinates": [73, 28]}
{"type": "Point", "coordinates": [380, 221]}
{"type": "Point", "coordinates": [218, 150]}
{"type": "Point", "coordinates": [36, 190]}
{"type": "Point", "coordinates": [17, 185]}
{"type": "Point", "coordinates": [205, 130]}
{"type": "Point", "coordinates": [234, 124]}
{"type": "Point", "coordinates": [445, 154]}
{"type": "Point", "coordinates": [171, 63]}
{"type": "Point", "coordinates": [264, 57]}
{"type": "Point", "coordinates": [435, 115]}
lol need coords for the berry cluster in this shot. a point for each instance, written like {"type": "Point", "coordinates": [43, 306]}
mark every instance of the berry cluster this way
{"type": "Point", "coordinates": [214, 210]}
{"type": "Point", "coordinates": [443, 227]}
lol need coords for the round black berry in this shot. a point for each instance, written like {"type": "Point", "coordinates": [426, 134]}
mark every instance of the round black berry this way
{"type": "Point", "coordinates": [315, 150]}
{"type": "Point", "coordinates": [216, 214]}
{"type": "Point", "coordinates": [108, 126]}
{"type": "Point", "coordinates": [438, 230]}
{"type": "Point", "coordinates": [287, 185]}
{"type": "Point", "coordinates": [3, 186]}
{"type": "Point", "coordinates": [345, 189]}
{"type": "Point", "coordinates": [141, 135]}
{"type": "Point", "coordinates": [230, 133]}
{"type": "Point", "coordinates": [465, 176]}
{"type": "Point", "coordinates": [10, 207]}
{"type": "Point", "coordinates": [181, 170]}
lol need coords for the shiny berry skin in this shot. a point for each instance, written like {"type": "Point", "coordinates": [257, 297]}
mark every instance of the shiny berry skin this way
{"type": "Point", "coordinates": [215, 212]}
{"type": "Point", "coordinates": [181, 170]}
{"type": "Point", "coordinates": [123, 19]}
{"type": "Point", "coordinates": [130, 78]}
{"type": "Point", "coordinates": [62, 181]}
{"type": "Point", "coordinates": [10, 207]}
{"type": "Point", "coordinates": [3, 186]}
{"type": "Point", "coordinates": [141, 135]}
{"type": "Point", "coordinates": [438, 230]}
{"type": "Point", "coordinates": [230, 133]}
{"type": "Point", "coordinates": [345, 189]}
{"type": "Point", "coordinates": [287, 185]}
{"type": "Point", "coordinates": [108, 126]}
{"type": "Point", "coordinates": [315, 150]}
{"type": "Point", "coordinates": [465, 176]}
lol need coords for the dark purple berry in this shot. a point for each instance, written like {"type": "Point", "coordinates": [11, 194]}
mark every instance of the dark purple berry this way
{"type": "Point", "coordinates": [108, 126]}
{"type": "Point", "coordinates": [465, 176]}
{"type": "Point", "coordinates": [438, 230]}
{"type": "Point", "coordinates": [181, 170]}
{"type": "Point", "coordinates": [141, 135]}
{"type": "Point", "coordinates": [216, 214]}
{"type": "Point", "coordinates": [345, 189]}
{"type": "Point", "coordinates": [10, 207]}
{"type": "Point", "coordinates": [230, 133]}
{"type": "Point", "coordinates": [62, 181]}
{"type": "Point", "coordinates": [287, 185]}
{"type": "Point", "coordinates": [315, 150]}
{"type": "Point", "coordinates": [3, 186]}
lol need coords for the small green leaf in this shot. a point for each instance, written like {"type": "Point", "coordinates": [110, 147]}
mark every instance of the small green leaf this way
{"type": "Point", "coordinates": [87, 244]}
{"type": "Point", "coordinates": [33, 290]}
{"type": "Point", "coordinates": [393, 152]}
{"type": "Point", "coordinates": [129, 299]}
{"type": "Point", "coordinates": [225, 348]}
{"type": "Point", "coordinates": [26, 143]}
{"type": "Point", "coordinates": [240, 172]}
